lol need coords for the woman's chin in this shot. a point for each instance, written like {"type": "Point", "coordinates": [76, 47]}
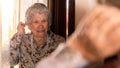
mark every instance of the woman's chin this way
{"type": "Point", "coordinates": [42, 34]}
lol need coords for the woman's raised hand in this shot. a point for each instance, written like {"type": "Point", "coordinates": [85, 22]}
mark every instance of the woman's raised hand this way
{"type": "Point", "coordinates": [21, 28]}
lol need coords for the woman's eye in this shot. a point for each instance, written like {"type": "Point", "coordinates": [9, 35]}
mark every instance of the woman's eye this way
{"type": "Point", "coordinates": [44, 21]}
{"type": "Point", "coordinates": [36, 21]}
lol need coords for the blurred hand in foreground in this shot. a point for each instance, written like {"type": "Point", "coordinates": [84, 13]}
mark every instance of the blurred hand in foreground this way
{"type": "Point", "coordinates": [98, 34]}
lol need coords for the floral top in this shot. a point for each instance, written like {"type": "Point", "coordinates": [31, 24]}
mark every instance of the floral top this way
{"type": "Point", "coordinates": [24, 50]}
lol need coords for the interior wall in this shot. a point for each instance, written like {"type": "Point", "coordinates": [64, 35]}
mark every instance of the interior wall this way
{"type": "Point", "coordinates": [82, 7]}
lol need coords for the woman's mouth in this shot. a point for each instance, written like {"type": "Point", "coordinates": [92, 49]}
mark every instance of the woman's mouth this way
{"type": "Point", "coordinates": [40, 30]}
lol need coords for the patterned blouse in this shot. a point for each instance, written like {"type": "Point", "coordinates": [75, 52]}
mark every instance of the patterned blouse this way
{"type": "Point", "coordinates": [24, 50]}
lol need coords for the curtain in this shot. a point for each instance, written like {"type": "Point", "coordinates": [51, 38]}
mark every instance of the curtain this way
{"type": "Point", "coordinates": [11, 13]}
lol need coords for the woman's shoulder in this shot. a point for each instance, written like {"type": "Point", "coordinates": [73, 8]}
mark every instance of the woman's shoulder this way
{"type": "Point", "coordinates": [27, 36]}
{"type": "Point", "coordinates": [57, 37]}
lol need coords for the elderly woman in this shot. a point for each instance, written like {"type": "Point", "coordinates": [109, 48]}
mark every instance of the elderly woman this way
{"type": "Point", "coordinates": [28, 49]}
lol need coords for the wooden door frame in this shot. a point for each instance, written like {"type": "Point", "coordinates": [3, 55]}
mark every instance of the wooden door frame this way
{"type": "Point", "coordinates": [58, 10]}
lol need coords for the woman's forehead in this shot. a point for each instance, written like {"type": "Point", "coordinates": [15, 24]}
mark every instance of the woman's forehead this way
{"type": "Point", "coordinates": [39, 15]}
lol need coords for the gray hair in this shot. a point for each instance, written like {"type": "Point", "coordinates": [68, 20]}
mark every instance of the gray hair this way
{"type": "Point", "coordinates": [37, 8]}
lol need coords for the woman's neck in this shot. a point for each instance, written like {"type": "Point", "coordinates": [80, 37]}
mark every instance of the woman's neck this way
{"type": "Point", "coordinates": [40, 40]}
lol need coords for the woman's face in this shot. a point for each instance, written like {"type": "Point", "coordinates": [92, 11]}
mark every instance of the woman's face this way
{"type": "Point", "coordinates": [39, 25]}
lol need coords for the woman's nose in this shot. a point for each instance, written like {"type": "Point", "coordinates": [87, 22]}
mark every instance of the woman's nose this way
{"type": "Point", "coordinates": [40, 24]}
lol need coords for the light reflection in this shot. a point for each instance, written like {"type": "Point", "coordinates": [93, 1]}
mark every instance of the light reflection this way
{"type": "Point", "coordinates": [67, 17]}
